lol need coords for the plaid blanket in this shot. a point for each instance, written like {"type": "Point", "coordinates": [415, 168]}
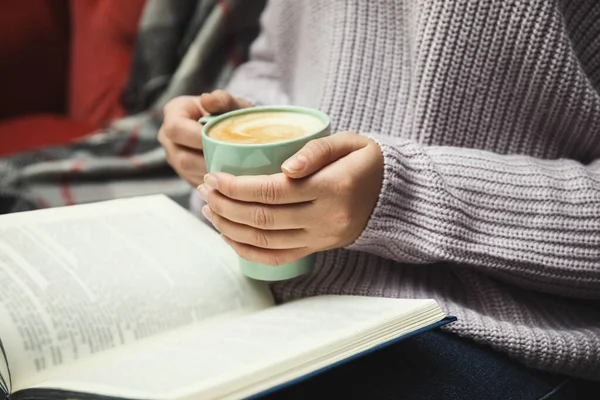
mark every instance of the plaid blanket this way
{"type": "Point", "coordinates": [183, 47]}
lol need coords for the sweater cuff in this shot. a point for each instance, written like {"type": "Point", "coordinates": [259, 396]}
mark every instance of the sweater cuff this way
{"type": "Point", "coordinates": [390, 230]}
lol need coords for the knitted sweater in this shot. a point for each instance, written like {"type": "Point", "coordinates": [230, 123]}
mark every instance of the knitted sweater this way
{"type": "Point", "coordinates": [488, 116]}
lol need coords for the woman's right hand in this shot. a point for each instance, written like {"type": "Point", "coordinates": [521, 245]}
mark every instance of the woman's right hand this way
{"type": "Point", "coordinates": [180, 133]}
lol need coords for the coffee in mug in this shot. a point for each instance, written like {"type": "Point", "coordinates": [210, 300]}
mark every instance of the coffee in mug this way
{"type": "Point", "coordinates": [265, 127]}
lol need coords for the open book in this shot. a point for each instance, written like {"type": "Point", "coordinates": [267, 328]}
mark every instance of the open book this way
{"type": "Point", "coordinates": [137, 299]}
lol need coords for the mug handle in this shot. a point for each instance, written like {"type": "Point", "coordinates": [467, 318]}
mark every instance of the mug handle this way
{"type": "Point", "coordinates": [207, 118]}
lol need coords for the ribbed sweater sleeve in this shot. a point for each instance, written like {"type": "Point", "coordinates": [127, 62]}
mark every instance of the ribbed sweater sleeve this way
{"type": "Point", "coordinates": [532, 222]}
{"type": "Point", "coordinates": [258, 79]}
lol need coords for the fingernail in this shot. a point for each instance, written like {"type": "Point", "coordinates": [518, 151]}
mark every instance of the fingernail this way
{"type": "Point", "coordinates": [207, 213]}
{"type": "Point", "coordinates": [294, 164]}
{"type": "Point", "coordinates": [211, 181]}
{"type": "Point", "coordinates": [202, 191]}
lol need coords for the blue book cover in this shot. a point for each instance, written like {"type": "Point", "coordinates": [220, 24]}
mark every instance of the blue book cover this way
{"type": "Point", "coordinates": [435, 325]}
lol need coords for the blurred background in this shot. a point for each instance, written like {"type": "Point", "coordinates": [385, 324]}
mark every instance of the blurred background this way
{"type": "Point", "coordinates": [83, 84]}
{"type": "Point", "coordinates": [63, 68]}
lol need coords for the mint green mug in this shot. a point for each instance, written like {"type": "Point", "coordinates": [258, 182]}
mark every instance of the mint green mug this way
{"type": "Point", "coordinates": [259, 159]}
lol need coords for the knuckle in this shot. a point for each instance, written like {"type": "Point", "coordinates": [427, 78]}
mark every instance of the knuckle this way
{"type": "Point", "coordinates": [215, 205]}
{"type": "Point", "coordinates": [223, 99]}
{"type": "Point", "coordinates": [260, 239]}
{"type": "Point", "coordinates": [170, 129]}
{"type": "Point", "coordinates": [262, 218]}
{"type": "Point", "coordinates": [342, 219]}
{"type": "Point", "coordinates": [269, 192]}
{"type": "Point", "coordinates": [232, 188]}
{"type": "Point", "coordinates": [343, 185]}
{"type": "Point", "coordinates": [320, 148]}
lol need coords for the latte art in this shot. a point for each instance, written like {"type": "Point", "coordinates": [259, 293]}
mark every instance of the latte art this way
{"type": "Point", "coordinates": [265, 127]}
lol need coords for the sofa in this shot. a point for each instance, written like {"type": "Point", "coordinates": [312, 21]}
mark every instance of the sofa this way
{"type": "Point", "coordinates": [63, 67]}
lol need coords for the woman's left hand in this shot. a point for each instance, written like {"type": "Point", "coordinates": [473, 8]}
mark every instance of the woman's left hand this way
{"type": "Point", "coordinates": [321, 201]}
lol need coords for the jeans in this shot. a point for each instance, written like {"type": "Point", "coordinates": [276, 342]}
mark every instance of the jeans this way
{"type": "Point", "coordinates": [441, 366]}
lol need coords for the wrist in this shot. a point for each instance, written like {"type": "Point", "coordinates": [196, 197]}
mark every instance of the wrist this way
{"type": "Point", "coordinates": [393, 230]}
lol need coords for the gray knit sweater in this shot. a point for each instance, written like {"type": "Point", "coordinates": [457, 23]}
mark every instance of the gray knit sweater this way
{"type": "Point", "coordinates": [488, 116]}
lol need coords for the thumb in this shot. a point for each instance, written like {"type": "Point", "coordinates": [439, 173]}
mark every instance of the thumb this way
{"type": "Point", "coordinates": [219, 101]}
{"type": "Point", "coordinates": [319, 153]}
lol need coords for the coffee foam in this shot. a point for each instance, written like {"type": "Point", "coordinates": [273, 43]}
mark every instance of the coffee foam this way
{"type": "Point", "coordinates": [265, 127]}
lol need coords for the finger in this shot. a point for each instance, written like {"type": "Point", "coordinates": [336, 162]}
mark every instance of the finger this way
{"type": "Point", "coordinates": [187, 163]}
{"type": "Point", "coordinates": [358, 163]}
{"type": "Point", "coordinates": [220, 101]}
{"type": "Point", "coordinates": [192, 177]}
{"type": "Point", "coordinates": [319, 153]}
{"type": "Point", "coordinates": [181, 131]}
{"type": "Point", "coordinates": [284, 239]}
{"type": "Point", "coordinates": [186, 160]}
{"type": "Point", "coordinates": [266, 256]}
{"type": "Point", "coordinates": [187, 107]}
{"type": "Point", "coordinates": [264, 189]}
{"type": "Point", "coordinates": [170, 148]}
{"type": "Point", "coordinates": [266, 217]}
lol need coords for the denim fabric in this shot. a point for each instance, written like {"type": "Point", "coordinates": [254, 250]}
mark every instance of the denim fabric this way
{"type": "Point", "coordinates": [441, 366]}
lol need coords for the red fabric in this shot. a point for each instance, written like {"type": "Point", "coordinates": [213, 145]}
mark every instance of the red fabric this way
{"type": "Point", "coordinates": [35, 131]}
{"type": "Point", "coordinates": [34, 47]}
{"type": "Point", "coordinates": [103, 34]}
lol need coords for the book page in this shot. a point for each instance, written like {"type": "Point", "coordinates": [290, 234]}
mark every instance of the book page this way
{"type": "Point", "coordinates": [229, 358]}
{"type": "Point", "coordinates": [85, 280]}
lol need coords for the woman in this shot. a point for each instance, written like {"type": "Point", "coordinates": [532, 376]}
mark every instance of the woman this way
{"type": "Point", "coordinates": [468, 172]}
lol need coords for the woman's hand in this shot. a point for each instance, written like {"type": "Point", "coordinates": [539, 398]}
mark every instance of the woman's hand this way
{"type": "Point", "coordinates": [180, 133]}
{"type": "Point", "coordinates": [322, 200]}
